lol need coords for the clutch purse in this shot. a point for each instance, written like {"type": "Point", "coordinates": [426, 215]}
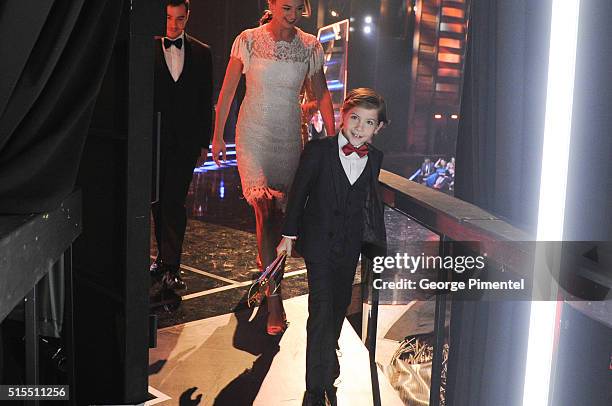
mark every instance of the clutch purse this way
{"type": "Point", "coordinates": [272, 273]}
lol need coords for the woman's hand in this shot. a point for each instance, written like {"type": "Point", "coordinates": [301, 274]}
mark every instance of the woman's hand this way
{"type": "Point", "coordinates": [218, 146]}
{"type": "Point", "coordinates": [326, 107]}
{"type": "Point", "coordinates": [286, 244]}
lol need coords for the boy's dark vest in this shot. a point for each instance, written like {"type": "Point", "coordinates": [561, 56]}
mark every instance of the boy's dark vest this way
{"type": "Point", "coordinates": [348, 232]}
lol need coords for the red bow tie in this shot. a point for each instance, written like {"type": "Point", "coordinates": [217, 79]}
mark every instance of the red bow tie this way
{"type": "Point", "coordinates": [349, 148]}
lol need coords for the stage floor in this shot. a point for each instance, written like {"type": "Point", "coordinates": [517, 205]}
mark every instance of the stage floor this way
{"type": "Point", "coordinates": [228, 360]}
{"type": "Point", "coordinates": [211, 344]}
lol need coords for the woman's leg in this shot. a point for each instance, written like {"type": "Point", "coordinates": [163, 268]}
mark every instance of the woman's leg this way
{"type": "Point", "coordinates": [268, 224]}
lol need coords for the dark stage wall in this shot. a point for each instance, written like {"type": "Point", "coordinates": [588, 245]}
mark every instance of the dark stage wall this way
{"type": "Point", "coordinates": [111, 257]}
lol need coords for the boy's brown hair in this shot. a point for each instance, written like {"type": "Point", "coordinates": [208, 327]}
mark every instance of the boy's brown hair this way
{"type": "Point", "coordinates": [368, 99]}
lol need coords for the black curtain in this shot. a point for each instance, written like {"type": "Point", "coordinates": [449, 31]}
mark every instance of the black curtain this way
{"type": "Point", "coordinates": [499, 144]}
{"type": "Point", "coordinates": [54, 55]}
{"type": "Point", "coordinates": [499, 147]}
{"type": "Point", "coordinates": [588, 208]}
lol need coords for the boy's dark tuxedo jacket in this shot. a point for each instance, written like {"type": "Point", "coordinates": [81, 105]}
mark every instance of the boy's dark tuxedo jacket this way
{"type": "Point", "coordinates": [314, 210]}
{"type": "Point", "coordinates": [187, 109]}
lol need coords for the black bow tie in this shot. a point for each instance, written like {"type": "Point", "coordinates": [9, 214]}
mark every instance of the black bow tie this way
{"type": "Point", "coordinates": [177, 43]}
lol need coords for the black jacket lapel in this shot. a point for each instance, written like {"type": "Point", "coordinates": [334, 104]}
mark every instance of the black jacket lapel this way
{"type": "Point", "coordinates": [162, 66]}
{"type": "Point", "coordinates": [188, 57]}
{"type": "Point", "coordinates": [374, 233]}
{"type": "Point", "coordinates": [160, 62]}
{"type": "Point", "coordinates": [336, 169]}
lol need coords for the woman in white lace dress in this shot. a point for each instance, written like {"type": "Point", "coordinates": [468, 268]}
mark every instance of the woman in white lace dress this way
{"type": "Point", "coordinates": [276, 58]}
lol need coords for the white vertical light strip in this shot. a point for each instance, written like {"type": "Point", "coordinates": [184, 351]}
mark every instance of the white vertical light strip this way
{"type": "Point", "coordinates": [558, 118]}
{"type": "Point", "coordinates": [557, 130]}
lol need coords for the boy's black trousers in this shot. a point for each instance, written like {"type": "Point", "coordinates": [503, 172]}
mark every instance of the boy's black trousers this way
{"type": "Point", "coordinates": [330, 283]}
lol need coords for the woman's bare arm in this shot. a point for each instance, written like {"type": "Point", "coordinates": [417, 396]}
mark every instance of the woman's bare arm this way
{"type": "Point", "coordinates": [226, 96]}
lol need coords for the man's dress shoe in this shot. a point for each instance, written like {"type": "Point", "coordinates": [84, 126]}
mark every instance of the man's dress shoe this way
{"type": "Point", "coordinates": [156, 269]}
{"type": "Point", "coordinates": [330, 395]}
{"type": "Point", "coordinates": [172, 279]}
{"type": "Point", "coordinates": [314, 399]}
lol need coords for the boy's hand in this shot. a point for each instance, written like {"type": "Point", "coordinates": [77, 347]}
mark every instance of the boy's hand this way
{"type": "Point", "coordinates": [286, 244]}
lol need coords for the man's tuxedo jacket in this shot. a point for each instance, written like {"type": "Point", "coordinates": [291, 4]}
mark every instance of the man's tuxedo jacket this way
{"type": "Point", "coordinates": [186, 105]}
{"type": "Point", "coordinates": [315, 208]}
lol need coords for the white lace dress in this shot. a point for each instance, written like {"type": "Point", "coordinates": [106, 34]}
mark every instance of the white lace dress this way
{"type": "Point", "coordinates": [268, 137]}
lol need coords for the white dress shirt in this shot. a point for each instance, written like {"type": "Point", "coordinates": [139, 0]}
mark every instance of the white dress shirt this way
{"type": "Point", "coordinates": [352, 164]}
{"type": "Point", "coordinates": [175, 58]}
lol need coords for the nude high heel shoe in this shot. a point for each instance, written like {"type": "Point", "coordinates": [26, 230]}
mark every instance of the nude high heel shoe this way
{"type": "Point", "coordinates": [274, 330]}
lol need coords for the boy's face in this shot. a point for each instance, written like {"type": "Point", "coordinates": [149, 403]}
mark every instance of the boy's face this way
{"type": "Point", "coordinates": [360, 124]}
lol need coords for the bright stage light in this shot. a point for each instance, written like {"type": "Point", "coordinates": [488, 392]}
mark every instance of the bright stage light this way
{"type": "Point", "coordinates": [437, 116]}
{"type": "Point", "coordinates": [368, 20]}
{"type": "Point", "coordinates": [551, 212]}
{"type": "Point", "coordinates": [367, 29]}
{"type": "Point", "coordinates": [558, 118]}
{"type": "Point", "coordinates": [454, 116]}
{"type": "Point", "coordinates": [334, 13]}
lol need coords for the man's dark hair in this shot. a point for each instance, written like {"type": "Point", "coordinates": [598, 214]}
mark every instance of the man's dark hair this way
{"type": "Point", "coordinates": [176, 3]}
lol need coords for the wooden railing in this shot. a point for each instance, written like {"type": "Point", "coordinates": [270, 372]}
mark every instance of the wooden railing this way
{"type": "Point", "coordinates": [452, 220]}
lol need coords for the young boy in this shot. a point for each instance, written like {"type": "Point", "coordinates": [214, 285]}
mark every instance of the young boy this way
{"type": "Point", "coordinates": [335, 213]}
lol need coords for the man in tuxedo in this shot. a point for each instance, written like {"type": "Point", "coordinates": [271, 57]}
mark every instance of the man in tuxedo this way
{"type": "Point", "coordinates": [183, 95]}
